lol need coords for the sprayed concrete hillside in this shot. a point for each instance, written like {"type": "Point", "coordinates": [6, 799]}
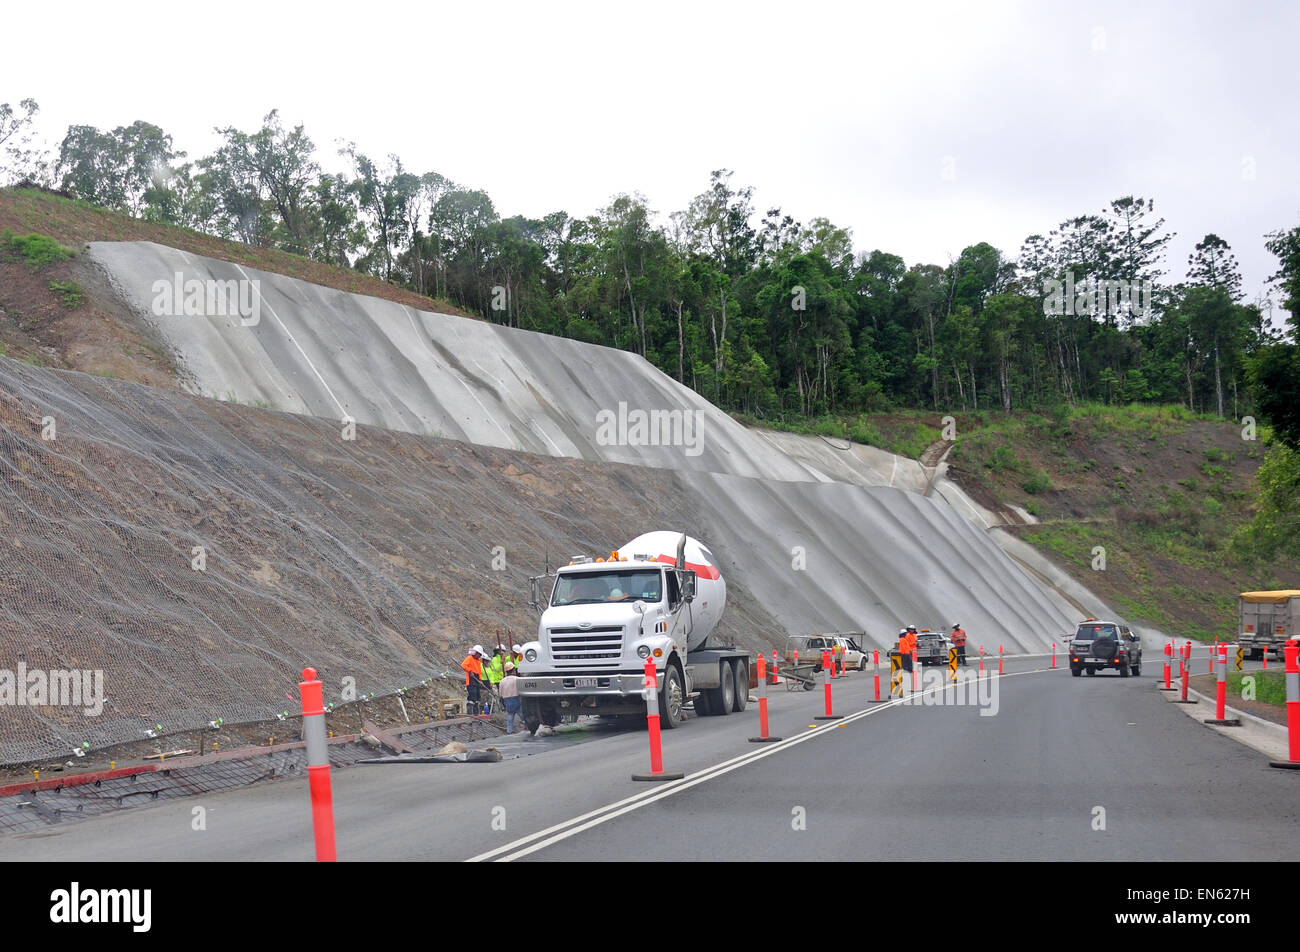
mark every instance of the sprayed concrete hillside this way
{"type": "Point", "coordinates": [897, 558]}
{"type": "Point", "coordinates": [307, 349]}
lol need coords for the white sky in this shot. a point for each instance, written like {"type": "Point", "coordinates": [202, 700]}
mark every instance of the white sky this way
{"type": "Point", "coordinates": [851, 111]}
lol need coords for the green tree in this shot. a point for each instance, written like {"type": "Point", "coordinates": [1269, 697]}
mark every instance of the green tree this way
{"type": "Point", "coordinates": [21, 161]}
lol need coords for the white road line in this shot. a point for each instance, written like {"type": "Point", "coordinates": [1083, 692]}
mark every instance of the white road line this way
{"type": "Point", "coordinates": [593, 818]}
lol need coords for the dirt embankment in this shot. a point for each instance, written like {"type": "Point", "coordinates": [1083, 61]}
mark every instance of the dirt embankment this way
{"type": "Point", "coordinates": [200, 553]}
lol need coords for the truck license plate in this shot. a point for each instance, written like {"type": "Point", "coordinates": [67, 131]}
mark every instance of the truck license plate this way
{"type": "Point", "coordinates": [584, 682]}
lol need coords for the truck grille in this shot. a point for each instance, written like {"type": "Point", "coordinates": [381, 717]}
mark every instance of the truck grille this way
{"type": "Point", "coordinates": [595, 647]}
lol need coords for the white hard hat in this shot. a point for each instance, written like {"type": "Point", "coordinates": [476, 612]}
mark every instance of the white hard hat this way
{"type": "Point", "coordinates": [479, 649]}
{"type": "Point", "coordinates": [510, 665]}
{"type": "Point", "coordinates": [516, 648]}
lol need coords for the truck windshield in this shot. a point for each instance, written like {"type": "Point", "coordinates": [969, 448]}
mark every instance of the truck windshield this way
{"type": "Point", "coordinates": [622, 586]}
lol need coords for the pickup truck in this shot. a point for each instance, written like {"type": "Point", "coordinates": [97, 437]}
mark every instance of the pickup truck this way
{"type": "Point", "coordinates": [932, 647]}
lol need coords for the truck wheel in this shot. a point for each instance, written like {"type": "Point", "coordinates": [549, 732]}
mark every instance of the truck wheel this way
{"type": "Point", "coordinates": [551, 714]}
{"type": "Point", "coordinates": [1123, 669]}
{"type": "Point", "coordinates": [701, 702]}
{"type": "Point", "coordinates": [742, 685]}
{"type": "Point", "coordinates": [671, 699]}
{"type": "Point", "coordinates": [724, 695]}
{"type": "Point", "coordinates": [532, 715]}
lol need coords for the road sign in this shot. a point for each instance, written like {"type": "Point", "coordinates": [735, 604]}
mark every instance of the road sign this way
{"type": "Point", "coordinates": [952, 662]}
{"type": "Point", "coordinates": [1241, 656]}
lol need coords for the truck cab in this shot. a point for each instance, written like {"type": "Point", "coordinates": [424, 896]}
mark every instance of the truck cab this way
{"type": "Point", "coordinates": [603, 619]}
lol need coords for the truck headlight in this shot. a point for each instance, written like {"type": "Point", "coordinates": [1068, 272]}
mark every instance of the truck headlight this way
{"type": "Point", "coordinates": [643, 652]}
{"type": "Point", "coordinates": [530, 654]}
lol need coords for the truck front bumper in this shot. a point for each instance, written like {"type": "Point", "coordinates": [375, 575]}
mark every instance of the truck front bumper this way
{"type": "Point", "coordinates": [614, 684]}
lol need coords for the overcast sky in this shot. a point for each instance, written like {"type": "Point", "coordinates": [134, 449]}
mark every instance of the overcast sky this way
{"type": "Point", "coordinates": [922, 127]}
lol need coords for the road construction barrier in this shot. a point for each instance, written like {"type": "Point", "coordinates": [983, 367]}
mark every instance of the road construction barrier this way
{"type": "Point", "coordinates": [1214, 653]}
{"type": "Point", "coordinates": [895, 674]}
{"type": "Point", "coordinates": [1221, 694]}
{"type": "Point", "coordinates": [952, 663]}
{"type": "Point", "coordinates": [875, 673]}
{"type": "Point", "coordinates": [827, 663]}
{"type": "Point", "coordinates": [981, 661]}
{"type": "Point", "coordinates": [763, 737]}
{"type": "Point", "coordinates": [1291, 652]}
{"type": "Point", "coordinates": [1169, 666]}
{"type": "Point", "coordinates": [652, 726]}
{"type": "Point", "coordinates": [1187, 675]}
{"type": "Point", "coordinates": [999, 659]}
{"type": "Point", "coordinates": [775, 673]}
{"type": "Point", "coordinates": [1241, 657]}
{"type": "Point", "coordinates": [318, 765]}
{"type": "Point", "coordinates": [916, 668]}
{"type": "Point", "coordinates": [1053, 654]}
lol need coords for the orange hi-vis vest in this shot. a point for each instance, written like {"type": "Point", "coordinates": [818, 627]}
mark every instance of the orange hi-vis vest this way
{"type": "Point", "coordinates": [902, 645]}
{"type": "Point", "coordinates": [472, 665]}
{"type": "Point", "coordinates": [911, 642]}
{"type": "Point", "coordinates": [959, 638]}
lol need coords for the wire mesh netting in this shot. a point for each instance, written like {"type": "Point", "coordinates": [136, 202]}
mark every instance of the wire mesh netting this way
{"type": "Point", "coordinates": [198, 554]}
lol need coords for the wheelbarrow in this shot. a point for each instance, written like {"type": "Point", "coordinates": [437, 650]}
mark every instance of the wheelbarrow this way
{"type": "Point", "coordinates": [800, 676]}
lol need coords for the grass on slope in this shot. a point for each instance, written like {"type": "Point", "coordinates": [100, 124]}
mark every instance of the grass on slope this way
{"type": "Point", "coordinates": [72, 222]}
{"type": "Point", "coordinates": [1139, 503]}
{"type": "Point", "coordinates": [1157, 490]}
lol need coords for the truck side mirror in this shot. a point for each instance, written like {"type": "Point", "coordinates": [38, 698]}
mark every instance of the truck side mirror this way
{"type": "Point", "coordinates": [536, 601]}
{"type": "Point", "coordinates": [688, 586]}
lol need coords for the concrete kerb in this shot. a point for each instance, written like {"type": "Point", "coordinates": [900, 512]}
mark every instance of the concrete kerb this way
{"type": "Point", "coordinates": [1264, 736]}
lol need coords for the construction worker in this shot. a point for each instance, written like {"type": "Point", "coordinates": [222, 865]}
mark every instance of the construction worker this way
{"type": "Point", "coordinates": [911, 641]}
{"type": "Point", "coordinates": [473, 666]}
{"type": "Point", "coordinates": [496, 668]}
{"type": "Point", "coordinates": [517, 656]}
{"type": "Point", "coordinates": [509, 689]}
{"type": "Point", "coordinates": [905, 649]}
{"type": "Point", "coordinates": [959, 642]}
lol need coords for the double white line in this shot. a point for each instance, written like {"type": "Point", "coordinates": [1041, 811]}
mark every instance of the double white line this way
{"type": "Point", "coordinates": [562, 831]}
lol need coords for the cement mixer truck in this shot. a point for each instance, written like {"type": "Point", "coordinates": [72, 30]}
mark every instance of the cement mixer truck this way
{"type": "Point", "coordinates": [659, 597]}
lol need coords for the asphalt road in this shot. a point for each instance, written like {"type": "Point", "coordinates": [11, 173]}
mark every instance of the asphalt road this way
{"type": "Point", "coordinates": [889, 781]}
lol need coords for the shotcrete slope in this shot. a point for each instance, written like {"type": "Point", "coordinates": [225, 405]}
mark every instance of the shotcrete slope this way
{"type": "Point", "coordinates": [330, 354]}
